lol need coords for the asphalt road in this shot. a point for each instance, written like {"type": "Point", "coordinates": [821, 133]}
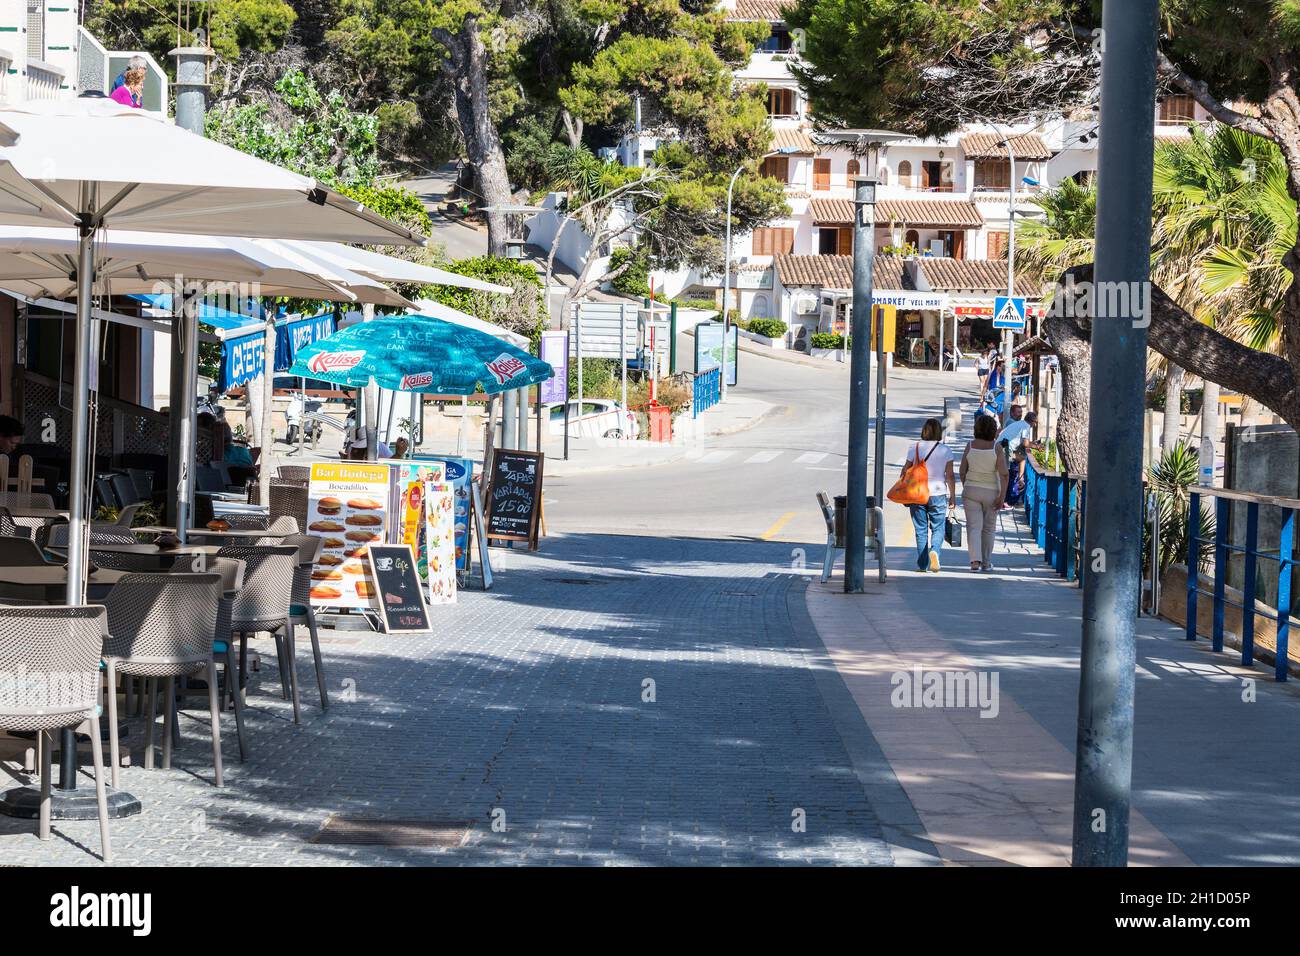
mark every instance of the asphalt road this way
{"type": "Point", "coordinates": [759, 483]}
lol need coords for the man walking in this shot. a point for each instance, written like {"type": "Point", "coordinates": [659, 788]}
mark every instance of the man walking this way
{"type": "Point", "coordinates": [1014, 438]}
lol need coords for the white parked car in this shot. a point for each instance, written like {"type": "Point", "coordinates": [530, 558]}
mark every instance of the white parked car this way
{"type": "Point", "coordinates": [597, 418]}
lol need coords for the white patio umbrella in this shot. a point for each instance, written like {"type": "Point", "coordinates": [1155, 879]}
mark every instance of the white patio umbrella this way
{"type": "Point", "coordinates": [392, 269]}
{"type": "Point", "coordinates": [42, 261]}
{"type": "Point", "coordinates": [91, 163]}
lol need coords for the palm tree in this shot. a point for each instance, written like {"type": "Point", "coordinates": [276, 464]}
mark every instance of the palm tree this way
{"type": "Point", "coordinates": [1063, 238]}
{"type": "Point", "coordinates": [1224, 220]}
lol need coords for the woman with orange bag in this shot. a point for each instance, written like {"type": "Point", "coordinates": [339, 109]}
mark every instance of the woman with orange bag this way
{"type": "Point", "coordinates": [930, 459]}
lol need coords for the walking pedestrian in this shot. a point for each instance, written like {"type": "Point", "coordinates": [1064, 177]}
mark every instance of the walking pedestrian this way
{"type": "Point", "coordinates": [1015, 437]}
{"type": "Point", "coordinates": [984, 475]}
{"type": "Point", "coordinates": [928, 519]}
{"type": "Point", "coordinates": [982, 369]}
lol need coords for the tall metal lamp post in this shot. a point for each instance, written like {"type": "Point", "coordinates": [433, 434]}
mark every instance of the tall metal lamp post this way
{"type": "Point", "coordinates": [726, 287]}
{"type": "Point", "coordinates": [866, 143]}
{"type": "Point", "coordinates": [1113, 531]}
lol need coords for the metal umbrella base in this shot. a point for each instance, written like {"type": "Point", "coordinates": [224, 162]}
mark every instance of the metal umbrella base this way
{"type": "Point", "coordinates": [25, 803]}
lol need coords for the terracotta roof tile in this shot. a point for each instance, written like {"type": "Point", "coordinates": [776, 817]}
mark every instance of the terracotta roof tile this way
{"type": "Point", "coordinates": [831, 211]}
{"type": "Point", "coordinates": [836, 272]}
{"type": "Point", "coordinates": [764, 11]}
{"type": "Point", "coordinates": [986, 146]}
{"type": "Point", "coordinates": [974, 275]}
{"type": "Point", "coordinates": [928, 213]}
{"type": "Point", "coordinates": [787, 139]}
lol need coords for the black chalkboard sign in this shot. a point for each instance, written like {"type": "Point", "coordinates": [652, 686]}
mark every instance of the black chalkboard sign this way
{"type": "Point", "coordinates": [514, 496]}
{"type": "Point", "coordinates": [401, 595]}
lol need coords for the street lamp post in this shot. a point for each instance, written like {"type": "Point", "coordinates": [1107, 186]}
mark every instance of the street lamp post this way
{"type": "Point", "coordinates": [1113, 532]}
{"type": "Point", "coordinates": [1011, 280]}
{"type": "Point", "coordinates": [726, 288]}
{"type": "Point", "coordinates": [868, 143]}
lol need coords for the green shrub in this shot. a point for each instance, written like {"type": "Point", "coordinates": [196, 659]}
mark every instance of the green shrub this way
{"type": "Point", "coordinates": [828, 340]}
{"type": "Point", "coordinates": [601, 378]}
{"type": "Point", "coordinates": [636, 280]}
{"type": "Point", "coordinates": [706, 304]}
{"type": "Point", "coordinates": [772, 328]}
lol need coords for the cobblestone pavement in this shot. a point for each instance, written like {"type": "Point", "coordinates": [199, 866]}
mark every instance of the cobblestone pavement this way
{"type": "Point", "coordinates": [528, 701]}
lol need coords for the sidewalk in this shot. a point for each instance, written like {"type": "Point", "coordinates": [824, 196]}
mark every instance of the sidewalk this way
{"type": "Point", "coordinates": [1214, 777]}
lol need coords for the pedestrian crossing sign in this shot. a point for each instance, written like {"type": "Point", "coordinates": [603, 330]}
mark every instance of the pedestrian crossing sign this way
{"type": "Point", "coordinates": [1009, 313]}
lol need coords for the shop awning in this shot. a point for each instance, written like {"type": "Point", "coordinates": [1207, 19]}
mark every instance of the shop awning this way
{"type": "Point", "coordinates": [243, 354]}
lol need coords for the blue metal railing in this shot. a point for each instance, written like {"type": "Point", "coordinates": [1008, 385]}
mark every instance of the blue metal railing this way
{"type": "Point", "coordinates": [1283, 556]}
{"type": "Point", "coordinates": [708, 391]}
{"type": "Point", "coordinates": [1054, 503]}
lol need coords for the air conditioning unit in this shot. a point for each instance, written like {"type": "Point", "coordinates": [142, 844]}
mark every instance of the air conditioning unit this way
{"type": "Point", "coordinates": [804, 304]}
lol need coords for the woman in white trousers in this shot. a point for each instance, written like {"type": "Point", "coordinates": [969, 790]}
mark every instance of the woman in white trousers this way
{"type": "Point", "coordinates": [984, 475]}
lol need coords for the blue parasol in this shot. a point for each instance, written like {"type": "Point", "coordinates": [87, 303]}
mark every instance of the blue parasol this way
{"type": "Point", "coordinates": [418, 353]}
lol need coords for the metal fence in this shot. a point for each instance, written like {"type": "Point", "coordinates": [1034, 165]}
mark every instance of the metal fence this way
{"type": "Point", "coordinates": [1054, 503]}
{"type": "Point", "coordinates": [1281, 559]}
{"type": "Point", "coordinates": [1055, 508]}
{"type": "Point", "coordinates": [708, 391]}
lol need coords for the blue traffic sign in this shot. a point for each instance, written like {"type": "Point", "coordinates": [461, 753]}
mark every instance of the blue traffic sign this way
{"type": "Point", "coordinates": [1009, 313]}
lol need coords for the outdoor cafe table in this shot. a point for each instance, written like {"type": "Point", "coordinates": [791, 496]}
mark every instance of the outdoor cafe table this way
{"type": "Point", "coordinates": [52, 579]}
{"type": "Point", "coordinates": [208, 549]}
{"type": "Point", "coordinates": [37, 517]}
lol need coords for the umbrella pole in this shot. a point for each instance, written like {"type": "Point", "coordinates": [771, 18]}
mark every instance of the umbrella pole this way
{"type": "Point", "coordinates": [189, 344]}
{"type": "Point", "coordinates": [268, 393]}
{"type": "Point", "coordinates": [79, 465]}
{"type": "Point", "coordinates": [464, 423]}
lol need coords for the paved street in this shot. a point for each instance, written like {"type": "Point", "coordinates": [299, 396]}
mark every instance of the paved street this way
{"type": "Point", "coordinates": [666, 683]}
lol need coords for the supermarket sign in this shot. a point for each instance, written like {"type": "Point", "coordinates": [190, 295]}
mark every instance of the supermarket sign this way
{"type": "Point", "coordinates": [911, 300]}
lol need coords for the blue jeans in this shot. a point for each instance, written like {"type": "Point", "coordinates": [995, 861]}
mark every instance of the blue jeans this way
{"type": "Point", "coordinates": [928, 523]}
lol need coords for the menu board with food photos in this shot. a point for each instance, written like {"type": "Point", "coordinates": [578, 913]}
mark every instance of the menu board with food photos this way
{"type": "Point", "coordinates": [424, 500]}
{"type": "Point", "coordinates": [347, 508]}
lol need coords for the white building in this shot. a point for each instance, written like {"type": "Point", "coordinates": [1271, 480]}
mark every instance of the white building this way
{"type": "Point", "coordinates": [944, 200]}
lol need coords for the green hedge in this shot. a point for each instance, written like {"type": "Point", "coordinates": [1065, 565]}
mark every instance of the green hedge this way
{"type": "Point", "coordinates": [772, 328]}
{"type": "Point", "coordinates": [828, 340]}
{"type": "Point", "coordinates": [636, 280]}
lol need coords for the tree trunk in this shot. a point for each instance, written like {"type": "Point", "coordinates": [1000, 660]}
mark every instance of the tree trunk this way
{"type": "Point", "coordinates": [1210, 415]}
{"type": "Point", "coordinates": [1173, 407]}
{"type": "Point", "coordinates": [469, 69]}
{"type": "Point", "coordinates": [572, 128]}
{"type": "Point", "coordinates": [1073, 346]}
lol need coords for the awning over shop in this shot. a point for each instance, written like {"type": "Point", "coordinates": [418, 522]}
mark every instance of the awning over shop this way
{"type": "Point", "coordinates": [243, 354]}
{"type": "Point", "coordinates": [221, 319]}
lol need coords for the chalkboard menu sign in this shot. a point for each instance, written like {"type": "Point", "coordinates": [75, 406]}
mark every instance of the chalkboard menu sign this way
{"type": "Point", "coordinates": [514, 495]}
{"type": "Point", "coordinates": [400, 593]}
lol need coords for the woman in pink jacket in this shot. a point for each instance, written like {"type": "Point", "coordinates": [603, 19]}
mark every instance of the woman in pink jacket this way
{"type": "Point", "coordinates": [130, 92]}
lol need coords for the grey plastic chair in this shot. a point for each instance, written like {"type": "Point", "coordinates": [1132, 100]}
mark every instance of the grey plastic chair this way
{"type": "Point", "coordinates": [223, 648]}
{"type": "Point", "coordinates": [16, 552]}
{"type": "Point", "coordinates": [263, 605]}
{"type": "Point", "coordinates": [100, 533]}
{"type": "Point", "coordinates": [57, 650]}
{"type": "Point", "coordinates": [161, 626]}
{"type": "Point", "coordinates": [15, 499]}
{"type": "Point", "coordinates": [10, 528]}
{"type": "Point", "coordinates": [300, 609]}
{"type": "Point", "coordinates": [240, 521]}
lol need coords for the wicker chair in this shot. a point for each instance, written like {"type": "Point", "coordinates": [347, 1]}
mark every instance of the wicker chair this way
{"type": "Point", "coordinates": [293, 473]}
{"type": "Point", "coordinates": [263, 605]}
{"type": "Point", "coordinates": [290, 500]}
{"type": "Point", "coordinates": [300, 609]}
{"type": "Point", "coordinates": [242, 521]}
{"type": "Point", "coordinates": [58, 650]}
{"type": "Point", "coordinates": [161, 625]}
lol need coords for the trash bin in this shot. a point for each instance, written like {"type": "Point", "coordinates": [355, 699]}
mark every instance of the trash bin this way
{"type": "Point", "coordinates": [661, 422]}
{"type": "Point", "coordinates": [841, 519]}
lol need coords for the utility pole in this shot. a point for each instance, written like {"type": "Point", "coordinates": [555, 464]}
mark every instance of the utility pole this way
{"type": "Point", "coordinates": [855, 529]}
{"type": "Point", "coordinates": [726, 289]}
{"type": "Point", "coordinates": [1011, 283]}
{"type": "Point", "coordinates": [1112, 562]}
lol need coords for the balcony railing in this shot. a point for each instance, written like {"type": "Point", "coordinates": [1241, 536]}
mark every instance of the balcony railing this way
{"type": "Point", "coordinates": [44, 80]}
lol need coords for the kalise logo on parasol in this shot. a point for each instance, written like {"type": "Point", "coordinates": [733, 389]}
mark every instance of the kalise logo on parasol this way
{"type": "Point", "coordinates": [335, 361]}
{"type": "Point", "coordinates": [418, 380]}
{"type": "Point", "coordinates": [505, 367]}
